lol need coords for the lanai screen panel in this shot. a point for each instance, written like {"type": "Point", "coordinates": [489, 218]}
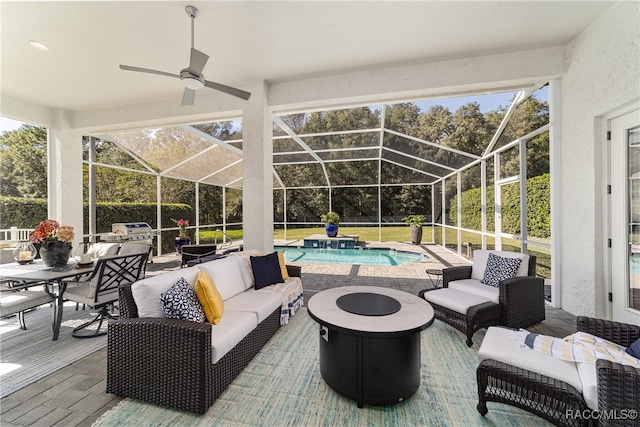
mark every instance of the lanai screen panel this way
{"type": "Point", "coordinates": [161, 148]}
{"type": "Point", "coordinates": [230, 176]}
{"type": "Point", "coordinates": [301, 175]}
{"type": "Point", "coordinates": [392, 173]}
{"type": "Point", "coordinates": [342, 141]}
{"type": "Point", "coordinates": [353, 173]}
{"type": "Point", "coordinates": [212, 161]}
{"type": "Point", "coordinates": [415, 164]}
{"type": "Point", "coordinates": [177, 153]}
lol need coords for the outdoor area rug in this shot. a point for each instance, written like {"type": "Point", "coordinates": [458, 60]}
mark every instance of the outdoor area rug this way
{"type": "Point", "coordinates": [27, 356]}
{"type": "Point", "coordinates": [282, 386]}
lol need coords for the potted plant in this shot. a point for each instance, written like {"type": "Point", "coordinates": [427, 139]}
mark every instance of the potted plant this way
{"type": "Point", "coordinates": [415, 227]}
{"type": "Point", "coordinates": [331, 220]}
{"type": "Point", "coordinates": [55, 242]}
{"type": "Point", "coordinates": [183, 237]}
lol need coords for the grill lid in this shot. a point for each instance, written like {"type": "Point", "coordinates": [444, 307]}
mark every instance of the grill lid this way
{"type": "Point", "coordinates": [128, 228]}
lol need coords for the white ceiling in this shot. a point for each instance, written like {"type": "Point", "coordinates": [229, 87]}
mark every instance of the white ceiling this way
{"type": "Point", "coordinates": [248, 41]}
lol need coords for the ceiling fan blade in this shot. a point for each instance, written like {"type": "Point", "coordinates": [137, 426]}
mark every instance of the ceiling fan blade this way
{"type": "Point", "coordinates": [188, 96]}
{"type": "Point", "coordinates": [198, 61]}
{"type": "Point", "coordinates": [228, 89]}
{"type": "Point", "coordinates": [146, 70]}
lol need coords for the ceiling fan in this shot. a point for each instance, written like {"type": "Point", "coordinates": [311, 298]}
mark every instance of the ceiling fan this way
{"type": "Point", "coordinates": [191, 77]}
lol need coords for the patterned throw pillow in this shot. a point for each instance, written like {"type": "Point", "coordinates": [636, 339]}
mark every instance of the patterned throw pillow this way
{"type": "Point", "coordinates": [181, 302]}
{"type": "Point", "coordinates": [499, 269]}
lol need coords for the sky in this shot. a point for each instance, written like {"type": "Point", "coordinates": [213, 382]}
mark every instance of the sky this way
{"type": "Point", "coordinates": [8, 124]}
{"type": "Point", "coordinates": [487, 103]}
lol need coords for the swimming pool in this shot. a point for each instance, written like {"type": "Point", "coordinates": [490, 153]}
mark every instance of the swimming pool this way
{"type": "Point", "coordinates": [369, 256]}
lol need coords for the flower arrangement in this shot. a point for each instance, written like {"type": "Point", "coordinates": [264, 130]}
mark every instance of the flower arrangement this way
{"type": "Point", "coordinates": [51, 231]}
{"type": "Point", "coordinates": [182, 225]}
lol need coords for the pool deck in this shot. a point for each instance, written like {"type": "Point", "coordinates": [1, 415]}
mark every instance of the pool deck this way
{"type": "Point", "coordinates": [406, 277]}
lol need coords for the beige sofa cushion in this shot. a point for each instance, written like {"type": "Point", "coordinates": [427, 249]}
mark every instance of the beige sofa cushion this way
{"type": "Point", "coordinates": [233, 327]}
{"type": "Point", "coordinates": [226, 274]}
{"type": "Point", "coordinates": [146, 293]}
{"type": "Point", "coordinates": [262, 302]}
{"type": "Point", "coordinates": [246, 270]}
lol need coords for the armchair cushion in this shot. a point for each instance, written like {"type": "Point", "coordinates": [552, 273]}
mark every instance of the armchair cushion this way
{"type": "Point", "coordinates": [634, 349]}
{"type": "Point", "coordinates": [505, 345]}
{"type": "Point", "coordinates": [454, 299]}
{"type": "Point", "coordinates": [589, 379]}
{"type": "Point", "coordinates": [480, 258]}
{"type": "Point", "coordinates": [84, 294]}
{"type": "Point", "coordinates": [181, 302]}
{"type": "Point", "coordinates": [473, 286]}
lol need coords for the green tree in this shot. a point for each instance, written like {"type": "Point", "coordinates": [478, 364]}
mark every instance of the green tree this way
{"type": "Point", "coordinates": [23, 162]}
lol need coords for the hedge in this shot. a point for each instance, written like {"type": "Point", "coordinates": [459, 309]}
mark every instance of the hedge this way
{"type": "Point", "coordinates": [27, 213]}
{"type": "Point", "coordinates": [538, 208]}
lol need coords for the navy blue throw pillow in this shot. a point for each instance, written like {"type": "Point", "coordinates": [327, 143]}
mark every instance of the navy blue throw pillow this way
{"type": "Point", "coordinates": [266, 270]}
{"type": "Point", "coordinates": [634, 349]}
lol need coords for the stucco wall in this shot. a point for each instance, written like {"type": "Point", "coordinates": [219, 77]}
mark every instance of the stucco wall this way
{"type": "Point", "coordinates": [602, 75]}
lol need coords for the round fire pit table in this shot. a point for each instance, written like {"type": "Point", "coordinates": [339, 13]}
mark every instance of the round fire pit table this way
{"type": "Point", "coordinates": [370, 341]}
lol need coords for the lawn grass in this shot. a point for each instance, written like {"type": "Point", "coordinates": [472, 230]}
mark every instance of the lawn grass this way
{"type": "Point", "coordinates": [399, 234]}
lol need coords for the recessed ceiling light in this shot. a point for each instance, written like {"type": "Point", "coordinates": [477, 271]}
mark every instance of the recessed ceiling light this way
{"type": "Point", "coordinates": [38, 45]}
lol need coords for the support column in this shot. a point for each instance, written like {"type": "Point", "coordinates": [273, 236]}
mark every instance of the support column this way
{"type": "Point", "coordinates": [64, 175]}
{"type": "Point", "coordinates": [257, 171]}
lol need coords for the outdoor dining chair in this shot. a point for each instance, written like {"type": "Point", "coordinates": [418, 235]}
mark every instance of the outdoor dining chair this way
{"type": "Point", "coordinates": [100, 289]}
{"type": "Point", "coordinates": [17, 301]}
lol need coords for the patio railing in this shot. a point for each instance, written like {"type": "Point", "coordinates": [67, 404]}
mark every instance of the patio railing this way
{"type": "Point", "coordinates": [14, 234]}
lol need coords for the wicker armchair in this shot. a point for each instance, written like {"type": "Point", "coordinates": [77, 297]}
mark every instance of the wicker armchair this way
{"type": "Point", "coordinates": [553, 400]}
{"type": "Point", "coordinates": [521, 298]}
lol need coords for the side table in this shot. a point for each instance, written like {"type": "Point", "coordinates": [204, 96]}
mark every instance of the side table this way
{"type": "Point", "coordinates": [435, 276]}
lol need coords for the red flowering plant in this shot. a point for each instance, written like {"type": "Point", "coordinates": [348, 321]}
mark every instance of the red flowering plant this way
{"type": "Point", "coordinates": [182, 225]}
{"type": "Point", "coordinates": [51, 231]}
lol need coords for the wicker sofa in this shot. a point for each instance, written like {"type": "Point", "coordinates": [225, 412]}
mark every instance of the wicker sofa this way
{"type": "Point", "coordinates": [183, 364]}
{"type": "Point", "coordinates": [563, 393]}
{"type": "Point", "coordinates": [521, 298]}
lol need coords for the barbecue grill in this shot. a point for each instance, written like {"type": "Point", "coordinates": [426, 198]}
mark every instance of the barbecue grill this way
{"type": "Point", "coordinates": [139, 232]}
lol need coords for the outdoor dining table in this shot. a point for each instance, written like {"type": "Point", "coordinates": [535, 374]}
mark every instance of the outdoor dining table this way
{"type": "Point", "coordinates": [37, 273]}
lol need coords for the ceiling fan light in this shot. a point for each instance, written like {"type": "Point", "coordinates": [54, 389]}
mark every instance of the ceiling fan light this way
{"type": "Point", "coordinates": [38, 45]}
{"type": "Point", "coordinates": [192, 83]}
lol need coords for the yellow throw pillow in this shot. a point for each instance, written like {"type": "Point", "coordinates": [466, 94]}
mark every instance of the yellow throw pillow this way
{"type": "Point", "coordinates": [283, 266]}
{"type": "Point", "coordinates": [209, 298]}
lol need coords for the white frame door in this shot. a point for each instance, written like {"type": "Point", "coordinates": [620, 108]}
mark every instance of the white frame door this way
{"type": "Point", "coordinates": [625, 249]}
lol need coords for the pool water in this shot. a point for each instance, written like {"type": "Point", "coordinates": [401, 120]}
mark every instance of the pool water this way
{"type": "Point", "coordinates": [373, 256]}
